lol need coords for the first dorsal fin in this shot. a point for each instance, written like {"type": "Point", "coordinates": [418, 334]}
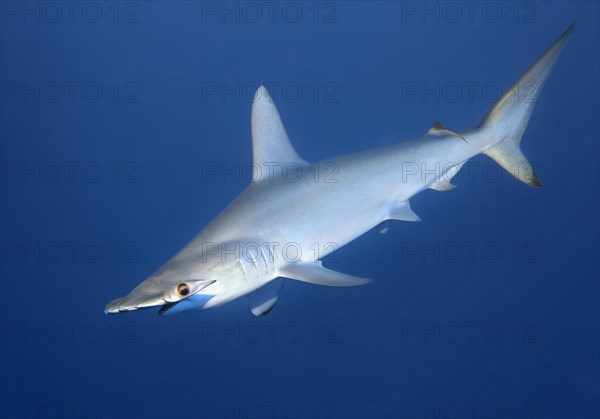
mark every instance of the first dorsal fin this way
{"type": "Point", "coordinates": [439, 130]}
{"type": "Point", "coordinates": [271, 147]}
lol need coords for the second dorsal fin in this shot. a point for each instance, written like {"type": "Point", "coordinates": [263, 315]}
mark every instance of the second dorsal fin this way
{"type": "Point", "coordinates": [439, 130]}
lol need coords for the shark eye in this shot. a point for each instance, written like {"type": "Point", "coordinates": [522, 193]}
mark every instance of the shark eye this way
{"type": "Point", "coordinates": [183, 289]}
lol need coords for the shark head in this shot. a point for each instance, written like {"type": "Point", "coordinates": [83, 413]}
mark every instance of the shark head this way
{"type": "Point", "coordinates": [172, 297]}
{"type": "Point", "coordinates": [186, 282]}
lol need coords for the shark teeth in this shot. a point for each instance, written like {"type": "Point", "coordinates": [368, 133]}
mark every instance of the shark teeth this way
{"type": "Point", "coordinates": [167, 307]}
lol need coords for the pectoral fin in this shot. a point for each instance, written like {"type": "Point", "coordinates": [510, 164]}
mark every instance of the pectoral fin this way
{"type": "Point", "coordinates": [264, 299]}
{"type": "Point", "coordinates": [315, 273]}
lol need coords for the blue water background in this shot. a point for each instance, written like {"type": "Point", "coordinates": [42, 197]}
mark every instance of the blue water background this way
{"type": "Point", "coordinates": [509, 328]}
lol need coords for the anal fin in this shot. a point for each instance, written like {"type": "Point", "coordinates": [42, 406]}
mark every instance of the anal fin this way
{"type": "Point", "coordinates": [403, 212]}
{"type": "Point", "coordinates": [444, 184]}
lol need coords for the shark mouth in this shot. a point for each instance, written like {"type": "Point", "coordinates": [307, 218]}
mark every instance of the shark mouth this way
{"type": "Point", "coordinates": [167, 307]}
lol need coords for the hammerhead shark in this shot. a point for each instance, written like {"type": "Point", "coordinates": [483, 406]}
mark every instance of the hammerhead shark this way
{"type": "Point", "coordinates": [292, 215]}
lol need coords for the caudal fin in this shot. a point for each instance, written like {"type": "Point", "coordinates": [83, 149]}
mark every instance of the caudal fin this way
{"type": "Point", "coordinates": [506, 122]}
